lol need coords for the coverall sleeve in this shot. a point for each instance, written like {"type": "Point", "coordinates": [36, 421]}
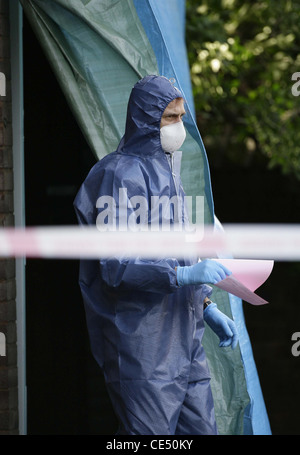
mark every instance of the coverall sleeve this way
{"type": "Point", "coordinates": [140, 274]}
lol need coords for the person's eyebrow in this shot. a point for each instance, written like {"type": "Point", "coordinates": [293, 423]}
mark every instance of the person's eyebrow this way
{"type": "Point", "coordinates": [173, 114]}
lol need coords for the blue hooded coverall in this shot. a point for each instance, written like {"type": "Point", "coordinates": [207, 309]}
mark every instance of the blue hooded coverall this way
{"type": "Point", "coordinates": [145, 330]}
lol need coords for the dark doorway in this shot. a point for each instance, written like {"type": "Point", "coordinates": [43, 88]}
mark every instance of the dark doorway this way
{"type": "Point", "coordinates": [65, 389]}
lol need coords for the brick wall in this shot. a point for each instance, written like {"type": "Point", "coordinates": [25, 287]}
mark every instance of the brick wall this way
{"type": "Point", "coordinates": [8, 346]}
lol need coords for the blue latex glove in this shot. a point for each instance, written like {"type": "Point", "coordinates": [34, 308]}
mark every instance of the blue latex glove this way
{"type": "Point", "coordinates": [222, 325]}
{"type": "Point", "coordinates": [207, 271]}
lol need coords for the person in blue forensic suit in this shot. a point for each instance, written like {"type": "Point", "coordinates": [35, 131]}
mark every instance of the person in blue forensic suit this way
{"type": "Point", "coordinates": [146, 317]}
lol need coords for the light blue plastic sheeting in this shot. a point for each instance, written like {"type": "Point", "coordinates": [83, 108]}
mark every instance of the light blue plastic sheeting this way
{"type": "Point", "coordinates": [164, 24]}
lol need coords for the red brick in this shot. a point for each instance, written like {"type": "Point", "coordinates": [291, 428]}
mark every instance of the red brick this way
{"type": "Point", "coordinates": [7, 290]}
{"type": "Point", "coordinates": [8, 311]}
{"type": "Point", "coordinates": [5, 111]}
{"type": "Point", "coordinates": [7, 268]}
{"type": "Point", "coordinates": [6, 201]}
{"type": "Point", "coordinates": [5, 134]}
{"type": "Point", "coordinates": [10, 360]}
{"type": "Point", "coordinates": [6, 158]}
{"type": "Point", "coordinates": [8, 420]}
{"type": "Point", "coordinates": [8, 399]}
{"type": "Point", "coordinates": [6, 219]}
{"type": "Point", "coordinates": [8, 377]}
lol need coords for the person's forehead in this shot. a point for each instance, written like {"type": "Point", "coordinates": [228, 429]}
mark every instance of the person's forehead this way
{"type": "Point", "coordinates": [177, 103]}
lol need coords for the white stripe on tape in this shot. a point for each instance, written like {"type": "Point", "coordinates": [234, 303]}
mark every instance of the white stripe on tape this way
{"type": "Point", "coordinates": [277, 242]}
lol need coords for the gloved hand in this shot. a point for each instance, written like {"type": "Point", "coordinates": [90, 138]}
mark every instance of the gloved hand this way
{"type": "Point", "coordinates": [222, 325]}
{"type": "Point", "coordinates": [207, 271]}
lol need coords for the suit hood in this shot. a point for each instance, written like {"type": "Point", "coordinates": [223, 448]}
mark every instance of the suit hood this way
{"type": "Point", "coordinates": [148, 100]}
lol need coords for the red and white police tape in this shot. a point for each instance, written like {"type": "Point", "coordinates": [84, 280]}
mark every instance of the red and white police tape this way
{"type": "Point", "coordinates": [252, 241]}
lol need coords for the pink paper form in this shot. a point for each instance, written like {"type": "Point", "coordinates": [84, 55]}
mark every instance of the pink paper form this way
{"type": "Point", "coordinates": [247, 276]}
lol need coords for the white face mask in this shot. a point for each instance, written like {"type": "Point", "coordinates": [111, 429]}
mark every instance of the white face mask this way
{"type": "Point", "coordinates": [172, 137]}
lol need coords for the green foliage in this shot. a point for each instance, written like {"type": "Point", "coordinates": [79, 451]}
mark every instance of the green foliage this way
{"type": "Point", "coordinates": [242, 57]}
